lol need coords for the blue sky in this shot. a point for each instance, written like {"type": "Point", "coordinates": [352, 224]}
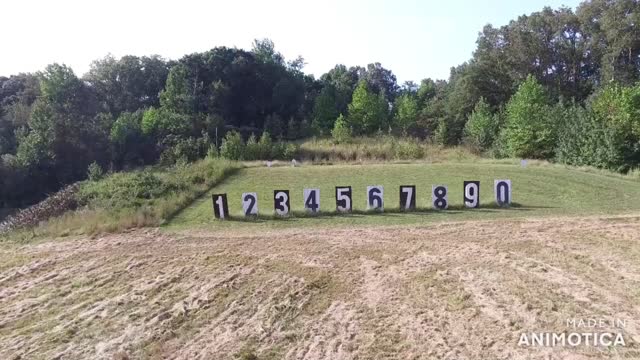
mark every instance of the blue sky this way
{"type": "Point", "coordinates": [415, 39]}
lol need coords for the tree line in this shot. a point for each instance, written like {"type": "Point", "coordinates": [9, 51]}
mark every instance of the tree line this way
{"type": "Point", "coordinates": [556, 84]}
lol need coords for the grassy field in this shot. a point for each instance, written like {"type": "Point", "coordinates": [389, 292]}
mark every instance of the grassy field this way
{"type": "Point", "coordinates": [538, 190]}
{"type": "Point", "coordinates": [465, 290]}
{"type": "Point", "coordinates": [433, 286]}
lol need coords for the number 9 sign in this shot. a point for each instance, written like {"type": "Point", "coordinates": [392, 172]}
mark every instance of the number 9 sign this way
{"type": "Point", "coordinates": [472, 194]}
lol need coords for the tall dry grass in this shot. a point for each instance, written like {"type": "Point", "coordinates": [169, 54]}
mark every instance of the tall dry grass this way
{"type": "Point", "coordinates": [381, 148]}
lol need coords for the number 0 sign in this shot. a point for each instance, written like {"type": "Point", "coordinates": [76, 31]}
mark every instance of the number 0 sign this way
{"type": "Point", "coordinates": [503, 192]}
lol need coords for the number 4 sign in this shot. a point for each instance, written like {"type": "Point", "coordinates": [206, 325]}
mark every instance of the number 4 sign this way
{"type": "Point", "coordinates": [311, 200]}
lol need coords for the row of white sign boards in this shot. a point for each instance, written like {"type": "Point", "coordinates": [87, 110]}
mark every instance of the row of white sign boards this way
{"type": "Point", "coordinates": [375, 198]}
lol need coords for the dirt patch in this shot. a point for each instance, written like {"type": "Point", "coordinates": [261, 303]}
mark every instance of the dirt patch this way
{"type": "Point", "coordinates": [452, 291]}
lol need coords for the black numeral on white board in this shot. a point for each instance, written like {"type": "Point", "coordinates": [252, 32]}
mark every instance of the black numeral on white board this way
{"type": "Point", "coordinates": [250, 204]}
{"type": "Point", "coordinates": [281, 202]}
{"type": "Point", "coordinates": [407, 197]}
{"type": "Point", "coordinates": [502, 189]}
{"type": "Point", "coordinates": [343, 198]}
{"type": "Point", "coordinates": [375, 196]}
{"type": "Point", "coordinates": [220, 207]}
{"type": "Point", "coordinates": [311, 200]}
{"type": "Point", "coordinates": [471, 194]}
{"type": "Point", "coordinates": [439, 197]}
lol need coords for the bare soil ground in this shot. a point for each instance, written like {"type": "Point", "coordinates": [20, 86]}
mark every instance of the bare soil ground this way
{"type": "Point", "coordinates": [449, 290]}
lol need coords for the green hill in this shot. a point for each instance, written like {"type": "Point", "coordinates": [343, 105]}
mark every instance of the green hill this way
{"type": "Point", "coordinates": [538, 190]}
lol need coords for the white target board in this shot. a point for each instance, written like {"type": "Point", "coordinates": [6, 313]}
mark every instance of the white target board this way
{"type": "Point", "coordinates": [375, 197]}
{"type": "Point", "coordinates": [311, 200]}
{"type": "Point", "coordinates": [502, 190]}
{"type": "Point", "coordinates": [250, 204]}
{"type": "Point", "coordinates": [343, 199]}
{"type": "Point", "coordinates": [281, 203]}
{"type": "Point", "coordinates": [471, 193]}
{"type": "Point", "coordinates": [439, 197]}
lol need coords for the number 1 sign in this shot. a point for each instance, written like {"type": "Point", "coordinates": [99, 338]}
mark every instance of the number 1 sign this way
{"type": "Point", "coordinates": [220, 207]}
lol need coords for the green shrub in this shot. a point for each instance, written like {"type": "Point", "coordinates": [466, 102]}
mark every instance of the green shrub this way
{"type": "Point", "coordinates": [482, 127]}
{"type": "Point", "coordinates": [212, 152]}
{"type": "Point", "coordinates": [124, 190]}
{"type": "Point", "coordinates": [407, 150]}
{"type": "Point", "coordinates": [278, 150]}
{"type": "Point", "coordinates": [161, 122]}
{"type": "Point", "coordinates": [95, 172]}
{"type": "Point", "coordinates": [265, 146]}
{"type": "Point", "coordinates": [530, 131]}
{"type": "Point", "coordinates": [341, 132]}
{"type": "Point", "coordinates": [252, 149]}
{"type": "Point", "coordinates": [178, 149]}
{"type": "Point", "coordinates": [290, 151]}
{"type": "Point", "coordinates": [233, 147]}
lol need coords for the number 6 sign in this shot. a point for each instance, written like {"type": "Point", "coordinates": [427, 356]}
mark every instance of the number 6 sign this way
{"type": "Point", "coordinates": [375, 195]}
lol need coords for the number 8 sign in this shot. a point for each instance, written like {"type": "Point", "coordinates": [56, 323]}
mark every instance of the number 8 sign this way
{"type": "Point", "coordinates": [439, 197]}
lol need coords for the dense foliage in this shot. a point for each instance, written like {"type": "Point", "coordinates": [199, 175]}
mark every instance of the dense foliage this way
{"type": "Point", "coordinates": [556, 84]}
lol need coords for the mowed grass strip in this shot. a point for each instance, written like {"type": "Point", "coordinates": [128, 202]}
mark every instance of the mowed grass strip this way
{"type": "Point", "coordinates": [536, 191]}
